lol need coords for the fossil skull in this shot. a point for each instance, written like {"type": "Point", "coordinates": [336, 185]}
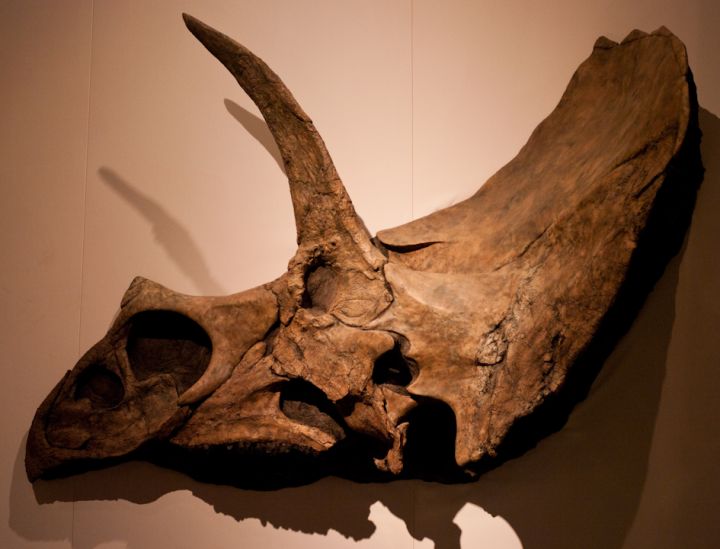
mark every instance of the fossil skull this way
{"type": "Point", "coordinates": [484, 306]}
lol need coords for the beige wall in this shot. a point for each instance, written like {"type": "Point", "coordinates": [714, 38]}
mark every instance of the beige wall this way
{"type": "Point", "coordinates": [127, 150]}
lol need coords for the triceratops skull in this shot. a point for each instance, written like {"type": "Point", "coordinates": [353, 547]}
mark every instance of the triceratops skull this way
{"type": "Point", "coordinates": [483, 306]}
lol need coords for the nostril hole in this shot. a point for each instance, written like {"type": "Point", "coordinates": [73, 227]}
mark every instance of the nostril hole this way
{"type": "Point", "coordinates": [164, 342]}
{"type": "Point", "coordinates": [101, 386]}
{"type": "Point", "coordinates": [391, 368]}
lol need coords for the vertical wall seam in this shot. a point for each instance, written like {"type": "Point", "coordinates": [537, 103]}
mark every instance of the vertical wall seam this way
{"type": "Point", "coordinates": [412, 109]}
{"type": "Point", "coordinates": [412, 184]}
{"type": "Point", "coordinates": [84, 224]}
{"type": "Point", "coordinates": [414, 533]}
{"type": "Point", "coordinates": [72, 516]}
{"type": "Point", "coordinates": [85, 189]}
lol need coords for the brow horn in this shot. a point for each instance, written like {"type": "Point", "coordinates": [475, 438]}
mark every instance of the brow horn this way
{"type": "Point", "coordinates": [328, 229]}
{"type": "Point", "coordinates": [320, 201]}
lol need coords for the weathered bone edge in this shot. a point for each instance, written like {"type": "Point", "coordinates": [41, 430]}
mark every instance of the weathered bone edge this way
{"type": "Point", "coordinates": [436, 350]}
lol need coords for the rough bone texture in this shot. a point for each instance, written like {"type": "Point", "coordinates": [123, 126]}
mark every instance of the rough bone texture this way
{"type": "Point", "coordinates": [419, 352]}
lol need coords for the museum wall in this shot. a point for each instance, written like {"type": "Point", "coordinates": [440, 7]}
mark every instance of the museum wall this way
{"type": "Point", "coordinates": [126, 149]}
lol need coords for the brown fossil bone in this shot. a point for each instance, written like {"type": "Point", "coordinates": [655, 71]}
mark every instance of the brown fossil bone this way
{"type": "Point", "coordinates": [487, 306]}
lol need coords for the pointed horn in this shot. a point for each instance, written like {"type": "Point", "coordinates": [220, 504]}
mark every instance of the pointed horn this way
{"type": "Point", "coordinates": [321, 203]}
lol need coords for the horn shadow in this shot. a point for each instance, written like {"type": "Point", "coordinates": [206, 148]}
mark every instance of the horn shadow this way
{"type": "Point", "coordinates": [258, 128]}
{"type": "Point", "coordinates": [169, 233]}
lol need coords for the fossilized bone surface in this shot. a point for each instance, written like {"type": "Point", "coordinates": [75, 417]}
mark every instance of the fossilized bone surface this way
{"type": "Point", "coordinates": [486, 306]}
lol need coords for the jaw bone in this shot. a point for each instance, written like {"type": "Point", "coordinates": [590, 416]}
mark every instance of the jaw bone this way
{"type": "Point", "coordinates": [486, 306]}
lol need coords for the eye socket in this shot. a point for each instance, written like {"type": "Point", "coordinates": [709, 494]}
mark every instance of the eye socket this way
{"type": "Point", "coordinates": [165, 342]}
{"type": "Point", "coordinates": [101, 386]}
{"type": "Point", "coordinates": [391, 368]}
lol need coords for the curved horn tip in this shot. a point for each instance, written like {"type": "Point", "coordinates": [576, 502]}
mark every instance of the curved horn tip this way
{"type": "Point", "coordinates": [196, 26]}
{"type": "Point", "coordinates": [221, 46]}
{"type": "Point", "coordinates": [200, 29]}
{"type": "Point", "coordinates": [189, 20]}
